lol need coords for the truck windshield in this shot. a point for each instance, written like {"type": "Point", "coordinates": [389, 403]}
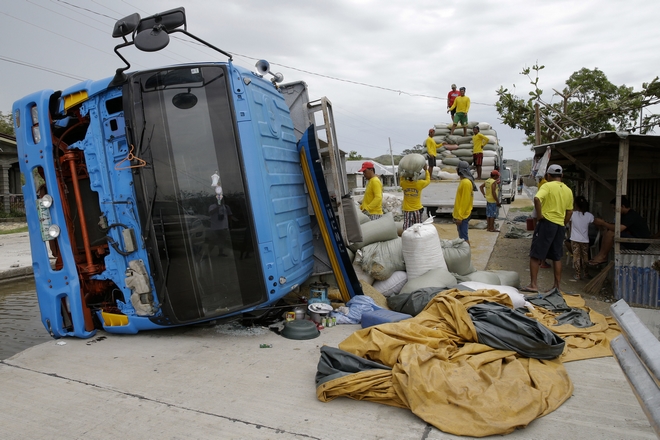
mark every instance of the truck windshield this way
{"type": "Point", "coordinates": [506, 175]}
{"type": "Point", "coordinates": [192, 194]}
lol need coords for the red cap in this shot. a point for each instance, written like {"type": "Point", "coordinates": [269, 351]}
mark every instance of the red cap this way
{"type": "Point", "coordinates": [494, 173]}
{"type": "Point", "coordinates": [366, 165]}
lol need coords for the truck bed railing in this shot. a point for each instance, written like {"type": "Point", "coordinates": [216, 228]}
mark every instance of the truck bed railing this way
{"type": "Point", "coordinates": [638, 353]}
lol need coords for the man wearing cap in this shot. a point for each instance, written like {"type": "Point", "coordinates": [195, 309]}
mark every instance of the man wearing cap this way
{"type": "Point", "coordinates": [432, 150]}
{"type": "Point", "coordinates": [451, 96]}
{"type": "Point", "coordinates": [554, 207]}
{"type": "Point", "coordinates": [489, 189]}
{"type": "Point", "coordinates": [479, 141]}
{"type": "Point", "coordinates": [372, 204]}
{"type": "Point", "coordinates": [464, 200]}
{"type": "Point", "coordinates": [462, 106]}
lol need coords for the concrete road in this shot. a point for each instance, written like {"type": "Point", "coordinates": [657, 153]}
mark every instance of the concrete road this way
{"type": "Point", "coordinates": [216, 382]}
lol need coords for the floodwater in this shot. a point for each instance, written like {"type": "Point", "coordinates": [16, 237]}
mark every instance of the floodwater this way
{"type": "Point", "coordinates": [20, 321]}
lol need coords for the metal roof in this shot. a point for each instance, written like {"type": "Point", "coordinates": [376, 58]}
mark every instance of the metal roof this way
{"type": "Point", "coordinates": [352, 167]}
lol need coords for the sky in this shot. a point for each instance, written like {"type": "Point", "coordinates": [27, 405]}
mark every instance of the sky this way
{"type": "Point", "coordinates": [385, 65]}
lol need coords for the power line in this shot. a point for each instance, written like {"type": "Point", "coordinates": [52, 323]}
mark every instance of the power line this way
{"type": "Point", "coordinates": [45, 69]}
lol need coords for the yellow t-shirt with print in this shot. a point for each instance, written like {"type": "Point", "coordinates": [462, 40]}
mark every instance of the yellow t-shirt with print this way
{"type": "Point", "coordinates": [373, 197]}
{"type": "Point", "coordinates": [478, 142]}
{"type": "Point", "coordinates": [412, 193]}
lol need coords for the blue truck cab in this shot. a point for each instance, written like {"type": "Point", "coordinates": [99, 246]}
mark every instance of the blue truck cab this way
{"type": "Point", "coordinates": [163, 197]}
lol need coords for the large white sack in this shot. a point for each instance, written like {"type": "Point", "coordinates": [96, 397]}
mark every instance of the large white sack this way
{"type": "Point", "coordinates": [382, 259]}
{"type": "Point", "coordinates": [458, 256]}
{"type": "Point", "coordinates": [439, 277]}
{"type": "Point", "coordinates": [412, 166]}
{"type": "Point", "coordinates": [422, 250]}
{"type": "Point", "coordinates": [488, 132]}
{"type": "Point", "coordinates": [492, 147]}
{"type": "Point", "coordinates": [508, 277]}
{"type": "Point", "coordinates": [492, 139]}
{"type": "Point", "coordinates": [392, 285]}
{"type": "Point", "coordinates": [363, 218]}
{"type": "Point", "coordinates": [484, 126]}
{"type": "Point", "coordinates": [373, 231]}
{"type": "Point", "coordinates": [489, 153]}
{"type": "Point", "coordinates": [442, 126]}
{"type": "Point", "coordinates": [464, 140]}
{"type": "Point", "coordinates": [467, 146]}
{"type": "Point", "coordinates": [488, 161]}
{"type": "Point", "coordinates": [517, 298]}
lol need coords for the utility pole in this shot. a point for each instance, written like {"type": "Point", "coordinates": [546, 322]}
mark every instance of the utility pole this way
{"type": "Point", "coordinates": [537, 123]}
{"type": "Point", "coordinates": [396, 181]}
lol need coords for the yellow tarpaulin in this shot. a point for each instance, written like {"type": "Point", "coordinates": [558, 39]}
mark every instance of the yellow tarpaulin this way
{"type": "Point", "coordinates": [448, 379]}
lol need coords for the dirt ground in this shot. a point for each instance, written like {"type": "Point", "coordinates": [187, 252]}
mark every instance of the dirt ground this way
{"type": "Point", "coordinates": [513, 254]}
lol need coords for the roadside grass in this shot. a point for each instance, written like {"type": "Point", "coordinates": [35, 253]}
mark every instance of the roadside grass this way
{"type": "Point", "coordinates": [14, 231]}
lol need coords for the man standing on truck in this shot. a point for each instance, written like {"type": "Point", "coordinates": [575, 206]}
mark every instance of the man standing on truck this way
{"type": "Point", "coordinates": [479, 141]}
{"type": "Point", "coordinates": [432, 150]}
{"type": "Point", "coordinates": [464, 200]}
{"type": "Point", "coordinates": [554, 207]}
{"type": "Point", "coordinates": [462, 106]}
{"type": "Point", "coordinates": [489, 191]}
{"type": "Point", "coordinates": [451, 96]}
{"type": "Point", "coordinates": [372, 204]}
{"type": "Point", "coordinates": [412, 199]}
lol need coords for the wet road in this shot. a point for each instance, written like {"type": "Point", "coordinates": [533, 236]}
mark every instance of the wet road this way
{"type": "Point", "coordinates": [20, 323]}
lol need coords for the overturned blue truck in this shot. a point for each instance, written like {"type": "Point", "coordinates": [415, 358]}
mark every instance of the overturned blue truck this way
{"type": "Point", "coordinates": [163, 197]}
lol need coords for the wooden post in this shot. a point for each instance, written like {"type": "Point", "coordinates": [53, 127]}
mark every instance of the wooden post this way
{"type": "Point", "coordinates": [621, 189]}
{"type": "Point", "coordinates": [537, 123]}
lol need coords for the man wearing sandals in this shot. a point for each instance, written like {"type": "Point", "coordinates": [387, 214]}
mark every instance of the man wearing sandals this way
{"type": "Point", "coordinates": [554, 207]}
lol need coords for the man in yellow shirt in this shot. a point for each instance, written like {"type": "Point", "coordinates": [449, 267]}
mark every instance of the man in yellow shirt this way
{"type": "Point", "coordinates": [479, 141]}
{"type": "Point", "coordinates": [464, 200]}
{"type": "Point", "coordinates": [489, 190]}
{"type": "Point", "coordinates": [372, 204]}
{"type": "Point", "coordinates": [412, 199]}
{"type": "Point", "coordinates": [554, 207]}
{"type": "Point", "coordinates": [432, 150]}
{"type": "Point", "coordinates": [462, 106]}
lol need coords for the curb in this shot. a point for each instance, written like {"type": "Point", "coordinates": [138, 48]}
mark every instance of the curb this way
{"type": "Point", "coordinates": [15, 273]}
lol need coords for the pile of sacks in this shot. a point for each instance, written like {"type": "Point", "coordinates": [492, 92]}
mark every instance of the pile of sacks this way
{"type": "Point", "coordinates": [458, 147]}
{"type": "Point", "coordinates": [402, 263]}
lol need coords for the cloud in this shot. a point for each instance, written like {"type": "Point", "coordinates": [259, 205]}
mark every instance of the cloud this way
{"type": "Point", "coordinates": [418, 48]}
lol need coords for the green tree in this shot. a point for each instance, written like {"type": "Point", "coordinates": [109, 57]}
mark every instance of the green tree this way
{"type": "Point", "coordinates": [589, 103]}
{"type": "Point", "coordinates": [6, 124]}
{"type": "Point", "coordinates": [353, 155]}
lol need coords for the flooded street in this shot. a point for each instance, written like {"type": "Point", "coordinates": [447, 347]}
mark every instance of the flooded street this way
{"type": "Point", "coordinates": [20, 323]}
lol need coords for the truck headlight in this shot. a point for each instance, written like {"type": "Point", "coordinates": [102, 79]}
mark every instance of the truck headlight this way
{"type": "Point", "coordinates": [53, 231]}
{"type": "Point", "coordinates": [46, 201]}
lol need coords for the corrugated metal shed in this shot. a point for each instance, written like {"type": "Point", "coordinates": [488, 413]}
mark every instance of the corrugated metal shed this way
{"type": "Point", "coordinates": [604, 166]}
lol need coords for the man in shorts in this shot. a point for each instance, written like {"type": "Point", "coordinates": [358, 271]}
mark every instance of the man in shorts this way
{"type": "Point", "coordinates": [451, 96]}
{"type": "Point", "coordinates": [462, 106]}
{"type": "Point", "coordinates": [554, 207]}
{"type": "Point", "coordinates": [479, 141]}
{"type": "Point", "coordinates": [489, 191]}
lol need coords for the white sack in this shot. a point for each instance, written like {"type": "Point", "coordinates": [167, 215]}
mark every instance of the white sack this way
{"type": "Point", "coordinates": [392, 285]}
{"type": "Point", "coordinates": [382, 259]}
{"type": "Point", "coordinates": [458, 256]}
{"type": "Point", "coordinates": [517, 298]}
{"type": "Point", "coordinates": [439, 277]}
{"type": "Point", "coordinates": [422, 250]}
{"type": "Point", "coordinates": [373, 231]}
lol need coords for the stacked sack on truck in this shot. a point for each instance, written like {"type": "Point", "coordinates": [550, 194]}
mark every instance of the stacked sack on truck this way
{"type": "Point", "coordinates": [458, 147]}
{"type": "Point", "coordinates": [412, 268]}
